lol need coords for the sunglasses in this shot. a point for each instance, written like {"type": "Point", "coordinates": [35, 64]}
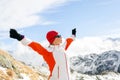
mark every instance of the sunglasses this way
{"type": "Point", "coordinates": [58, 36]}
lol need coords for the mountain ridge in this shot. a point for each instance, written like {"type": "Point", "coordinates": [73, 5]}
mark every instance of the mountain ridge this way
{"type": "Point", "coordinates": [97, 63]}
{"type": "Point", "coordinates": [11, 69]}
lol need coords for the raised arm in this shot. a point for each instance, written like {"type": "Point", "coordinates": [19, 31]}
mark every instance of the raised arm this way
{"type": "Point", "coordinates": [48, 56]}
{"type": "Point", "coordinates": [34, 45]}
{"type": "Point", "coordinates": [70, 40]}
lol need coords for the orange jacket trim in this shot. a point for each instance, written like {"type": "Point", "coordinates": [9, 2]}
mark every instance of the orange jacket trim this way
{"type": "Point", "coordinates": [48, 56]}
{"type": "Point", "coordinates": [69, 41]}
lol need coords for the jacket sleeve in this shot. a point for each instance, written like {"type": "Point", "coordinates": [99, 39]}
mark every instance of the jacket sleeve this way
{"type": "Point", "coordinates": [35, 46]}
{"type": "Point", "coordinates": [48, 56]}
{"type": "Point", "coordinates": [69, 41]}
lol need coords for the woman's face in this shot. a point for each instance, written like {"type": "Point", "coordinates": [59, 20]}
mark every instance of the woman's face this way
{"type": "Point", "coordinates": [57, 40]}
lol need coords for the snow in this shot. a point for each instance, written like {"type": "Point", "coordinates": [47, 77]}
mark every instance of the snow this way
{"type": "Point", "coordinates": [107, 76]}
{"type": "Point", "coordinates": [3, 69]}
{"type": "Point", "coordinates": [25, 77]}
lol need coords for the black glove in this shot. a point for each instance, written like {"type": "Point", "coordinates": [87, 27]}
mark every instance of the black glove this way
{"type": "Point", "coordinates": [14, 34]}
{"type": "Point", "coordinates": [74, 31]}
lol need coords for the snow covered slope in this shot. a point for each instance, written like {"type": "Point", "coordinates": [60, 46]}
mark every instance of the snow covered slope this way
{"type": "Point", "coordinates": [97, 63]}
{"type": "Point", "coordinates": [103, 76]}
{"type": "Point", "coordinates": [104, 66]}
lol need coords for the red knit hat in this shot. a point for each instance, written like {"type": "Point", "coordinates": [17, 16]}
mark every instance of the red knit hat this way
{"type": "Point", "coordinates": [51, 36]}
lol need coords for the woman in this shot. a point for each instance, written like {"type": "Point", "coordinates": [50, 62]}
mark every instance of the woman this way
{"type": "Point", "coordinates": [54, 55]}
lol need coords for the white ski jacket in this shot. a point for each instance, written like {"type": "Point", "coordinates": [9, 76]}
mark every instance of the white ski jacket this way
{"type": "Point", "coordinates": [54, 56]}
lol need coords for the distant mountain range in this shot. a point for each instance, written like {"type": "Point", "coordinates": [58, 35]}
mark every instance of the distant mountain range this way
{"type": "Point", "coordinates": [97, 63]}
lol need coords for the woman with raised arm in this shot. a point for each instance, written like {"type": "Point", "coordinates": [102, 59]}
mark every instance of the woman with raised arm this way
{"type": "Point", "coordinates": [54, 55]}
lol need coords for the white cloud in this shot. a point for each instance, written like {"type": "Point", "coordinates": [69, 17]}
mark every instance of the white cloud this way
{"type": "Point", "coordinates": [27, 55]}
{"type": "Point", "coordinates": [3, 46]}
{"type": "Point", "coordinates": [24, 13]}
{"type": "Point", "coordinates": [95, 45]}
{"type": "Point", "coordinates": [3, 35]}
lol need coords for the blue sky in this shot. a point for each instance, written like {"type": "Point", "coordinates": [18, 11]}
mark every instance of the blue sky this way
{"type": "Point", "coordinates": [36, 18]}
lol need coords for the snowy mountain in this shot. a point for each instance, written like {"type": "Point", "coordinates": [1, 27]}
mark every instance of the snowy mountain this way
{"type": "Point", "coordinates": [95, 66]}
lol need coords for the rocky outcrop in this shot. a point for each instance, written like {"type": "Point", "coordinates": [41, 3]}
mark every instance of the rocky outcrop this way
{"type": "Point", "coordinates": [11, 69]}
